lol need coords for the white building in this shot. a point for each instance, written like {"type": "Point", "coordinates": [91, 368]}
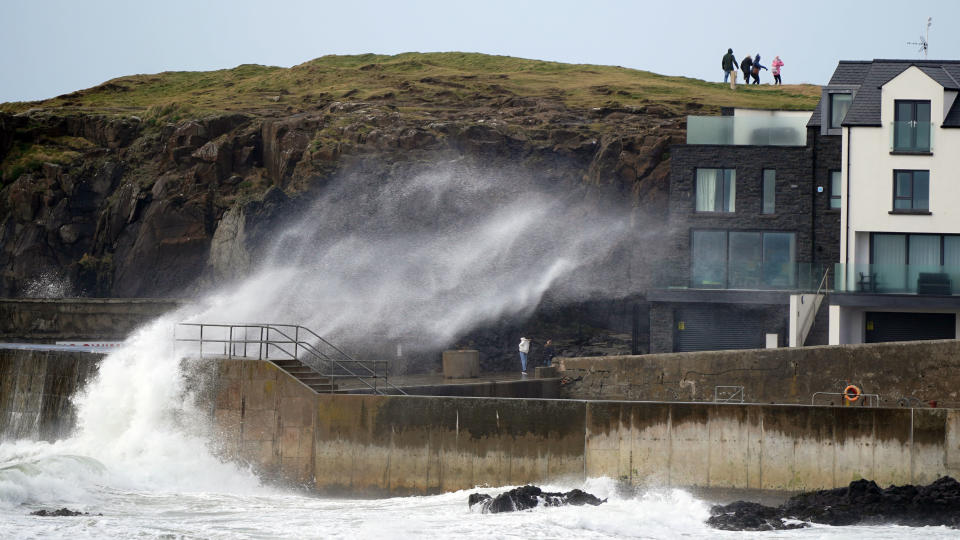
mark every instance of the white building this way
{"type": "Point", "coordinates": [898, 194]}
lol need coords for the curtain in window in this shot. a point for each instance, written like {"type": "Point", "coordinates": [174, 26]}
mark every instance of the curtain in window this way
{"type": "Point", "coordinates": [729, 190]}
{"type": "Point", "coordinates": [951, 259]}
{"type": "Point", "coordinates": [924, 256]}
{"type": "Point", "coordinates": [707, 180]}
{"type": "Point", "coordinates": [889, 260]}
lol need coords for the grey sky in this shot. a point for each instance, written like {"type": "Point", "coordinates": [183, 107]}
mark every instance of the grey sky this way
{"type": "Point", "coordinates": [50, 47]}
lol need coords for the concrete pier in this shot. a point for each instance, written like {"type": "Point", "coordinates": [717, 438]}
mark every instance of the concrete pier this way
{"type": "Point", "coordinates": [396, 445]}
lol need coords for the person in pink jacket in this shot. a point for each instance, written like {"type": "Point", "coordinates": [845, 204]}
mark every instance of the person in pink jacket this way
{"type": "Point", "coordinates": [776, 65]}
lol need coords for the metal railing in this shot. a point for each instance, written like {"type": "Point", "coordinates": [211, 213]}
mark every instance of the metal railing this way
{"type": "Point", "coordinates": [272, 342]}
{"type": "Point", "coordinates": [869, 400]}
{"type": "Point", "coordinates": [811, 315]}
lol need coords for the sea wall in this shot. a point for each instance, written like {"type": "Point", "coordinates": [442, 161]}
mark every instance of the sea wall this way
{"type": "Point", "coordinates": [77, 318]}
{"type": "Point", "coordinates": [397, 445]}
{"type": "Point", "coordinates": [905, 374]}
{"type": "Point", "coordinates": [35, 392]}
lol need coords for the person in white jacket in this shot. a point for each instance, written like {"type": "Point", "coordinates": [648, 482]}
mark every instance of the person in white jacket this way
{"type": "Point", "coordinates": [524, 350]}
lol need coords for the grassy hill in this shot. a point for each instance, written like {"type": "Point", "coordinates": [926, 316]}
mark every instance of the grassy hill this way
{"type": "Point", "coordinates": [410, 81]}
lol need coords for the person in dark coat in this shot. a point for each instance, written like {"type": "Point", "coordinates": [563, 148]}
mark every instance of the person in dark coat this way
{"type": "Point", "coordinates": [755, 70]}
{"type": "Point", "coordinates": [729, 64]}
{"type": "Point", "coordinates": [548, 353]}
{"type": "Point", "coordinates": [745, 66]}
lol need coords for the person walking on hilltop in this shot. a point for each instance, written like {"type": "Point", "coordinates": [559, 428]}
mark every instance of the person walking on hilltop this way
{"type": "Point", "coordinates": [524, 350]}
{"type": "Point", "coordinates": [755, 70]}
{"type": "Point", "coordinates": [730, 66]}
{"type": "Point", "coordinates": [776, 65]}
{"type": "Point", "coordinates": [745, 66]}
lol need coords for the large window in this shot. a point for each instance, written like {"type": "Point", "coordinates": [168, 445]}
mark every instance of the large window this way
{"type": "Point", "coordinates": [836, 184]}
{"type": "Point", "coordinates": [743, 259]}
{"type": "Point", "coordinates": [897, 259]}
{"type": "Point", "coordinates": [911, 126]}
{"type": "Point", "coordinates": [911, 191]}
{"type": "Point", "coordinates": [716, 190]}
{"type": "Point", "coordinates": [769, 191]}
{"type": "Point", "coordinates": [708, 259]}
{"type": "Point", "coordinates": [839, 104]}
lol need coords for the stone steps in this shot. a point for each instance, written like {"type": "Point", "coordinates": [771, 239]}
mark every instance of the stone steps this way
{"type": "Point", "coordinates": [305, 374]}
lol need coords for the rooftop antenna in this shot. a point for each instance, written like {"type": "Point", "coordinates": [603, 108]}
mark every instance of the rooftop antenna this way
{"type": "Point", "coordinates": [924, 42]}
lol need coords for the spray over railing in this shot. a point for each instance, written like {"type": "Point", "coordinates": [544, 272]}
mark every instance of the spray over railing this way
{"type": "Point", "coordinates": [279, 343]}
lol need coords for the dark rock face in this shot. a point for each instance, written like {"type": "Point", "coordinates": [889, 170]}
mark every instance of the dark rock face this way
{"type": "Point", "coordinates": [58, 513]}
{"type": "Point", "coordinates": [526, 497]}
{"type": "Point", "coordinates": [862, 502]}
{"type": "Point", "coordinates": [116, 206]}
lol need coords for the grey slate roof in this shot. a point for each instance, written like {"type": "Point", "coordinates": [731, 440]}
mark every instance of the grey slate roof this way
{"type": "Point", "coordinates": [871, 75]}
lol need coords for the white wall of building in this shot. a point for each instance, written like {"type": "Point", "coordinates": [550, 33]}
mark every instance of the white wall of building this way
{"type": "Point", "coordinates": [871, 167]}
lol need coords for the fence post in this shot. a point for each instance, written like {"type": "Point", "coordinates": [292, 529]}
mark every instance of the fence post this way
{"type": "Point", "coordinates": [230, 354]}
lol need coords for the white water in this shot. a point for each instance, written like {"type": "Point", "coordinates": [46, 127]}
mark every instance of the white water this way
{"type": "Point", "coordinates": [434, 256]}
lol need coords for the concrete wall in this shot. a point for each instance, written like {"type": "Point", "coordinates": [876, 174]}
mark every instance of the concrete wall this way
{"type": "Point", "coordinates": [771, 447]}
{"type": "Point", "coordinates": [903, 374]}
{"type": "Point", "coordinates": [35, 392]}
{"type": "Point", "coordinates": [77, 318]}
{"type": "Point", "coordinates": [397, 445]}
{"type": "Point", "coordinates": [266, 418]}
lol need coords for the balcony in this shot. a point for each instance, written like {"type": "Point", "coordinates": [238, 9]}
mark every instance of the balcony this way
{"type": "Point", "coordinates": [919, 279]}
{"type": "Point", "coordinates": [911, 137]}
{"type": "Point", "coordinates": [759, 276]}
{"type": "Point", "coordinates": [747, 130]}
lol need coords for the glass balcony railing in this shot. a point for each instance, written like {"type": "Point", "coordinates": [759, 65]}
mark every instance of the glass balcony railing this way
{"type": "Point", "coordinates": [747, 130]}
{"type": "Point", "coordinates": [927, 279]}
{"type": "Point", "coordinates": [911, 136]}
{"type": "Point", "coordinates": [745, 276]}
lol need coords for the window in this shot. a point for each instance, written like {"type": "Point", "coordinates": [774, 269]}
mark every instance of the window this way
{"type": "Point", "coordinates": [897, 259]}
{"type": "Point", "coordinates": [743, 259]}
{"type": "Point", "coordinates": [709, 259]}
{"type": "Point", "coordinates": [911, 191]}
{"type": "Point", "coordinates": [716, 190]}
{"type": "Point", "coordinates": [911, 126]}
{"type": "Point", "coordinates": [836, 184]}
{"type": "Point", "coordinates": [769, 190]}
{"type": "Point", "coordinates": [839, 103]}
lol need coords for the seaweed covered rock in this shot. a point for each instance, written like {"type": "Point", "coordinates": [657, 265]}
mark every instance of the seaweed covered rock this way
{"type": "Point", "coordinates": [862, 502]}
{"type": "Point", "coordinates": [526, 497]}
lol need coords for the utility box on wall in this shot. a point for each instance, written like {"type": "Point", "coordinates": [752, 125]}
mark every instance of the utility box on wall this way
{"type": "Point", "coordinates": [463, 364]}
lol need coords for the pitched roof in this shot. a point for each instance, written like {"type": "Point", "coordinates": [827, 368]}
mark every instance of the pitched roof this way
{"type": "Point", "coordinates": [870, 76]}
{"type": "Point", "coordinates": [848, 72]}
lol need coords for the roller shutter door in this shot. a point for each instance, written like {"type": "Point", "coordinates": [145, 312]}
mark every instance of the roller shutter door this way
{"type": "Point", "coordinates": [712, 329]}
{"type": "Point", "coordinates": [884, 326]}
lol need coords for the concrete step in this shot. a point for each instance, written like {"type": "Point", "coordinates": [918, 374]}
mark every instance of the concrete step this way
{"type": "Point", "coordinates": [323, 387]}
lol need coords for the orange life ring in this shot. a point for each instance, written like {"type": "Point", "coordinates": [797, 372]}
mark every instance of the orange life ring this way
{"type": "Point", "coordinates": [851, 393]}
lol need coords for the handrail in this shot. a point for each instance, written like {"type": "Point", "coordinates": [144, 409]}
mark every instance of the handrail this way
{"type": "Point", "coordinates": [813, 312]}
{"type": "Point", "coordinates": [876, 397]}
{"type": "Point", "coordinates": [317, 357]}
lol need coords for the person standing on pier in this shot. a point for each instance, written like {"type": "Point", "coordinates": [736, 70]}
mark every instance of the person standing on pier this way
{"type": "Point", "coordinates": [524, 350]}
{"type": "Point", "coordinates": [548, 353]}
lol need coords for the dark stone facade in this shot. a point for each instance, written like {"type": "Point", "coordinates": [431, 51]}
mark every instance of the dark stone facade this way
{"type": "Point", "coordinates": [799, 208]}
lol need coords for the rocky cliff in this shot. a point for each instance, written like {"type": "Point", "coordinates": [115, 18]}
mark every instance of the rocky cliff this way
{"type": "Point", "coordinates": [157, 185]}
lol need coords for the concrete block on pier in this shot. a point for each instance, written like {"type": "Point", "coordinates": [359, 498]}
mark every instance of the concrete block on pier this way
{"type": "Point", "coordinates": [462, 364]}
{"type": "Point", "coordinates": [546, 372]}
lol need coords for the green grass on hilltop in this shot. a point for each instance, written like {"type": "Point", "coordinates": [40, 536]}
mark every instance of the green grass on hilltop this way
{"type": "Point", "coordinates": [412, 80]}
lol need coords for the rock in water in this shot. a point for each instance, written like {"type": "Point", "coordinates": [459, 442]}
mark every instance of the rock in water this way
{"type": "Point", "coordinates": [862, 502]}
{"type": "Point", "coordinates": [526, 497]}
{"type": "Point", "coordinates": [56, 513]}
